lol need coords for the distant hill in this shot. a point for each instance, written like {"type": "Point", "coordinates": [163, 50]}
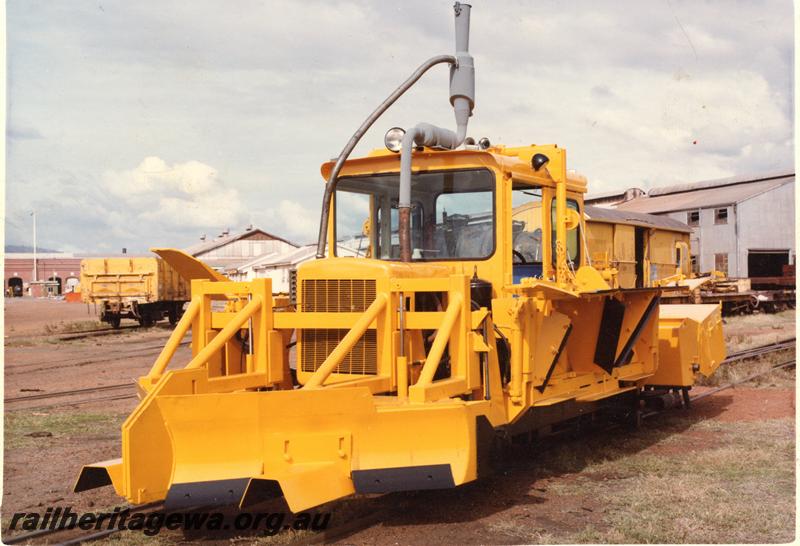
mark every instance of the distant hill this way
{"type": "Point", "coordinates": [25, 248]}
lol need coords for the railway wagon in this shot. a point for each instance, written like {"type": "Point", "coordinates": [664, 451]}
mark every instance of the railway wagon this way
{"type": "Point", "coordinates": [643, 248]}
{"type": "Point", "coordinates": [414, 361]}
{"type": "Point", "coordinates": [631, 250]}
{"type": "Point", "coordinates": [146, 289]}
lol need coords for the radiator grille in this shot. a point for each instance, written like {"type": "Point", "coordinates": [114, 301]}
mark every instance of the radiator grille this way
{"type": "Point", "coordinates": [318, 344]}
{"type": "Point", "coordinates": [338, 296]}
{"type": "Point", "coordinates": [293, 286]}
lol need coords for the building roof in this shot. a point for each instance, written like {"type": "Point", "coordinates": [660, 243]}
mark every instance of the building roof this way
{"type": "Point", "coordinates": [254, 262]}
{"type": "Point", "coordinates": [601, 214]}
{"type": "Point", "coordinates": [293, 257]}
{"type": "Point", "coordinates": [707, 194]}
{"type": "Point", "coordinates": [206, 246]}
{"type": "Point", "coordinates": [613, 194]}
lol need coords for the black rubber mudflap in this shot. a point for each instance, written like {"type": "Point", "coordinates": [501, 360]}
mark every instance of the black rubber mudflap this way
{"type": "Point", "coordinates": [259, 491]}
{"type": "Point", "coordinates": [92, 477]}
{"type": "Point", "coordinates": [484, 445]}
{"type": "Point", "coordinates": [404, 478]}
{"type": "Point", "coordinates": [605, 352]}
{"type": "Point", "coordinates": [213, 493]}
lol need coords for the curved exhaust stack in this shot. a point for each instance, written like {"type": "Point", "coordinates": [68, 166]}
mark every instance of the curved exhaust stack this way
{"type": "Point", "coordinates": [462, 97]}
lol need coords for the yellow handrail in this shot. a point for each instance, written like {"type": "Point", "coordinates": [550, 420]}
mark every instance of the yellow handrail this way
{"type": "Point", "coordinates": [442, 337]}
{"type": "Point", "coordinates": [347, 343]}
{"type": "Point", "coordinates": [226, 333]}
{"type": "Point", "coordinates": [175, 338]}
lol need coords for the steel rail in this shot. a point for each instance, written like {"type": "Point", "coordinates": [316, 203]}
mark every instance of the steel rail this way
{"type": "Point", "coordinates": [743, 380]}
{"type": "Point", "coordinates": [73, 392]}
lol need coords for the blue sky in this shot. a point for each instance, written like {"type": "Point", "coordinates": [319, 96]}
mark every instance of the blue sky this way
{"type": "Point", "coordinates": [139, 124]}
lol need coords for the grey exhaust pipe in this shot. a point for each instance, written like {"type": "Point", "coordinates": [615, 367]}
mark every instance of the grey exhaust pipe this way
{"type": "Point", "coordinates": [462, 97]}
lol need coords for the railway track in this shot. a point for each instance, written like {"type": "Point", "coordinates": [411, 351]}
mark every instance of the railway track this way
{"type": "Point", "coordinates": [73, 537]}
{"type": "Point", "coordinates": [62, 363]}
{"type": "Point", "coordinates": [68, 397]}
{"type": "Point", "coordinates": [375, 517]}
{"type": "Point", "coordinates": [66, 336]}
{"type": "Point", "coordinates": [760, 350]}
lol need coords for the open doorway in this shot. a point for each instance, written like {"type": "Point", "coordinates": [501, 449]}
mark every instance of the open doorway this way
{"type": "Point", "coordinates": [57, 288]}
{"type": "Point", "coordinates": [15, 287]}
{"type": "Point", "coordinates": [638, 243]}
{"type": "Point", "coordinates": [766, 263]}
{"type": "Point", "coordinates": [72, 284]}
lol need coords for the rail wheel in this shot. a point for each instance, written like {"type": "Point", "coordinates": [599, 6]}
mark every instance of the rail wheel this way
{"type": "Point", "coordinates": [114, 322]}
{"type": "Point", "coordinates": [146, 321]}
{"type": "Point", "coordinates": [686, 399]}
{"type": "Point", "coordinates": [173, 315]}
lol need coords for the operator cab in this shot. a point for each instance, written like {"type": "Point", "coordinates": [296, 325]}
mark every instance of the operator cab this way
{"type": "Point", "coordinates": [453, 216]}
{"type": "Point", "coordinates": [456, 215]}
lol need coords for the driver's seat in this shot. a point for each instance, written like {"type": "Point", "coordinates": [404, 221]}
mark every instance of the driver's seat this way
{"type": "Point", "coordinates": [527, 260]}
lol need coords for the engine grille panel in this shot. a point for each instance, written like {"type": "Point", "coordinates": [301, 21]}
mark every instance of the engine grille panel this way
{"type": "Point", "coordinates": [319, 343]}
{"type": "Point", "coordinates": [338, 296]}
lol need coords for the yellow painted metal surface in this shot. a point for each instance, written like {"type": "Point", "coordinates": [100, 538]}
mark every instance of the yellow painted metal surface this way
{"type": "Point", "coordinates": [131, 279]}
{"type": "Point", "coordinates": [396, 368]}
{"type": "Point", "coordinates": [188, 267]}
{"type": "Point", "coordinates": [690, 342]}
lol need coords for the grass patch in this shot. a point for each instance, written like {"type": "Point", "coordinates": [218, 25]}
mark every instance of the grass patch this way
{"type": "Point", "coordinates": [735, 483]}
{"type": "Point", "coordinates": [738, 371]}
{"type": "Point", "coordinates": [63, 327]}
{"type": "Point", "coordinates": [19, 425]}
{"type": "Point", "coordinates": [746, 331]}
{"type": "Point", "coordinates": [522, 531]}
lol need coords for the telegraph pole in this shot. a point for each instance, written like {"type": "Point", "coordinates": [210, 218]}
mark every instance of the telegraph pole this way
{"type": "Point", "coordinates": [35, 273]}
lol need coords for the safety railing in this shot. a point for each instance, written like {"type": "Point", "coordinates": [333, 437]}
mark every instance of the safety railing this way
{"type": "Point", "coordinates": [219, 346]}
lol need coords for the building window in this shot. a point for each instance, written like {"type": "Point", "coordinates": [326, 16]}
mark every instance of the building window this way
{"type": "Point", "coordinates": [695, 266]}
{"type": "Point", "coordinates": [721, 263]}
{"type": "Point", "coordinates": [693, 218]}
{"type": "Point", "coordinates": [721, 216]}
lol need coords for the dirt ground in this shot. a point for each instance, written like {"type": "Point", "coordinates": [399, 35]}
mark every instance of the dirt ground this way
{"type": "Point", "coordinates": [31, 316]}
{"type": "Point", "coordinates": [595, 488]}
{"type": "Point", "coordinates": [45, 447]}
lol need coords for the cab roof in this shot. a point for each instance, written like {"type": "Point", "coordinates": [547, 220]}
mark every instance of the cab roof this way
{"type": "Point", "coordinates": [512, 160]}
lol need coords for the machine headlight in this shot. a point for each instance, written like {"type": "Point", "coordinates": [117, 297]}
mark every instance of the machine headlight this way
{"type": "Point", "coordinates": [393, 139]}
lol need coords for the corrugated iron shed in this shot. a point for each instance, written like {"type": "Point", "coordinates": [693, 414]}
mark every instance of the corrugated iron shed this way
{"type": "Point", "coordinates": [704, 194]}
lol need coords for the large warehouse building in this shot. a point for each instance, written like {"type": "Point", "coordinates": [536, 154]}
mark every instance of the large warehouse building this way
{"type": "Point", "coordinates": [742, 226]}
{"type": "Point", "coordinates": [229, 251]}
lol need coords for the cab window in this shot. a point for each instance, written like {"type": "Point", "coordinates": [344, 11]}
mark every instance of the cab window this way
{"type": "Point", "coordinates": [573, 236]}
{"type": "Point", "coordinates": [452, 216]}
{"type": "Point", "coordinates": [526, 231]}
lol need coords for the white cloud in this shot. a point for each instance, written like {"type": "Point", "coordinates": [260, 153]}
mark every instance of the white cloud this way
{"type": "Point", "coordinates": [179, 196]}
{"type": "Point", "coordinates": [293, 220]}
{"type": "Point", "coordinates": [266, 91]}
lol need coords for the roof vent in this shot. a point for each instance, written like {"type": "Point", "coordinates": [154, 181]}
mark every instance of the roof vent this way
{"type": "Point", "coordinates": [203, 237]}
{"type": "Point", "coordinates": [249, 228]}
